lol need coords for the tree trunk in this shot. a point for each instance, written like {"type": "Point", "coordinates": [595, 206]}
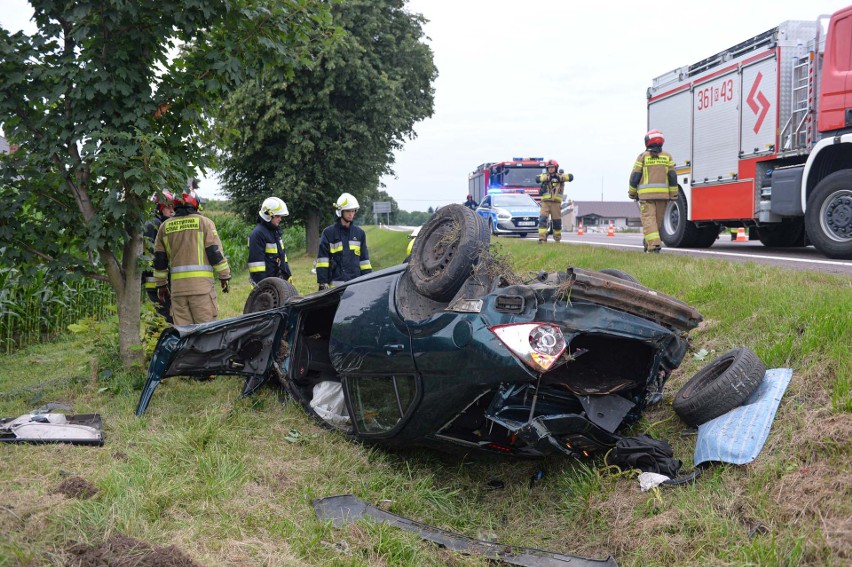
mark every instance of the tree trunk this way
{"type": "Point", "coordinates": [127, 283]}
{"type": "Point", "coordinates": [312, 230]}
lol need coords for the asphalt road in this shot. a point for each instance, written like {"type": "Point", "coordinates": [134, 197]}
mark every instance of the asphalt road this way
{"type": "Point", "coordinates": [806, 259]}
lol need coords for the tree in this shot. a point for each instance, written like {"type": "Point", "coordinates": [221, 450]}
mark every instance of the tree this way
{"type": "Point", "coordinates": [107, 103]}
{"type": "Point", "coordinates": [334, 127]}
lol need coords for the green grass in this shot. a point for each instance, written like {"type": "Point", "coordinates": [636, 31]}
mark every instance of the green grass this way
{"type": "Point", "coordinates": [214, 475]}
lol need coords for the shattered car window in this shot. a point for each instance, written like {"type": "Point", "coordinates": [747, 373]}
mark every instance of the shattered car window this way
{"type": "Point", "coordinates": [380, 402]}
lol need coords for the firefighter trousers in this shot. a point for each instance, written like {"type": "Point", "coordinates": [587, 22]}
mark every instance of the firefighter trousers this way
{"type": "Point", "coordinates": [652, 214]}
{"type": "Point", "coordinates": [191, 309]}
{"type": "Point", "coordinates": [553, 210]}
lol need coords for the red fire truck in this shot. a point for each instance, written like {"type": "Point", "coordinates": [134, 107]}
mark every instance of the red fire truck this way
{"type": "Point", "coordinates": [516, 175]}
{"type": "Point", "coordinates": [762, 137]}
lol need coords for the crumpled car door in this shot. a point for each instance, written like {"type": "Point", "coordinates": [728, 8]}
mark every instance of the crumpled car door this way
{"type": "Point", "coordinates": [241, 345]}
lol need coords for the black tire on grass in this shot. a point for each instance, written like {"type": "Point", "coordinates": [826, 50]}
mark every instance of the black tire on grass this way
{"type": "Point", "coordinates": [719, 387]}
{"type": "Point", "coordinates": [270, 293]}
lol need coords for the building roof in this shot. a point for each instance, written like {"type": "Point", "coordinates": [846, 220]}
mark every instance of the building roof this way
{"type": "Point", "coordinates": [608, 209]}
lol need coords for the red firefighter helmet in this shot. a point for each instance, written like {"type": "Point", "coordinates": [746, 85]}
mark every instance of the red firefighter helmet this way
{"type": "Point", "coordinates": [187, 199]}
{"type": "Point", "coordinates": [654, 138]}
{"type": "Point", "coordinates": [168, 200]}
{"type": "Point", "coordinates": [552, 163]}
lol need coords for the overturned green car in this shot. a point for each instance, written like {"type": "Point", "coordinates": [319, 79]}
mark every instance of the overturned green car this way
{"type": "Point", "coordinates": [450, 352]}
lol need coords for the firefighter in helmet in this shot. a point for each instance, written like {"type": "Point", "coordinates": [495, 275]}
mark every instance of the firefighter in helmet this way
{"type": "Point", "coordinates": [653, 182]}
{"type": "Point", "coordinates": [163, 209]}
{"type": "Point", "coordinates": [187, 256]}
{"type": "Point", "coordinates": [343, 253]}
{"type": "Point", "coordinates": [267, 257]}
{"type": "Point", "coordinates": [552, 190]}
{"type": "Point", "coordinates": [470, 203]}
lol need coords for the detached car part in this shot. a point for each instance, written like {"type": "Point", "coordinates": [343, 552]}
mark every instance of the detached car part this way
{"type": "Point", "coordinates": [47, 426]}
{"type": "Point", "coordinates": [347, 509]}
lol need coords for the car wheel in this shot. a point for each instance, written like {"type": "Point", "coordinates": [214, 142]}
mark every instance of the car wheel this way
{"type": "Point", "coordinates": [268, 294]}
{"type": "Point", "coordinates": [719, 387]}
{"type": "Point", "coordinates": [447, 247]}
{"type": "Point", "coordinates": [493, 225]}
{"type": "Point", "coordinates": [828, 219]}
{"type": "Point", "coordinates": [620, 275]}
{"type": "Point", "coordinates": [522, 235]}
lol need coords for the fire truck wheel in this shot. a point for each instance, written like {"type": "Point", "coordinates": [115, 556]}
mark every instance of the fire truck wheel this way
{"type": "Point", "coordinates": [828, 220]}
{"type": "Point", "coordinates": [447, 247]}
{"type": "Point", "coordinates": [678, 232]}
{"type": "Point", "coordinates": [719, 387]}
{"type": "Point", "coordinates": [782, 235]}
{"type": "Point", "coordinates": [620, 275]}
{"type": "Point", "coordinates": [268, 294]}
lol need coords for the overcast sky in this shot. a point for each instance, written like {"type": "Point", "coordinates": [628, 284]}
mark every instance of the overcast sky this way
{"type": "Point", "coordinates": [558, 79]}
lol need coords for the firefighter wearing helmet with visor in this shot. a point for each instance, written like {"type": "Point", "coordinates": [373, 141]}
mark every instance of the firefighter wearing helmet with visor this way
{"type": "Point", "coordinates": [188, 255]}
{"type": "Point", "coordinates": [552, 190]}
{"type": "Point", "coordinates": [343, 253]}
{"type": "Point", "coordinates": [653, 182]}
{"type": "Point", "coordinates": [267, 257]}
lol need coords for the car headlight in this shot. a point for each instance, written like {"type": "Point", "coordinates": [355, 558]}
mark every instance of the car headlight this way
{"type": "Point", "coordinates": [503, 214]}
{"type": "Point", "coordinates": [538, 345]}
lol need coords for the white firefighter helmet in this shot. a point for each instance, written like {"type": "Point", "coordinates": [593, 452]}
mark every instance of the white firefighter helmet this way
{"type": "Point", "coordinates": [273, 207]}
{"type": "Point", "coordinates": [346, 202]}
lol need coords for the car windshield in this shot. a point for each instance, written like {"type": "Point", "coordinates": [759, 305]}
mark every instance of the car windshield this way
{"type": "Point", "coordinates": [513, 200]}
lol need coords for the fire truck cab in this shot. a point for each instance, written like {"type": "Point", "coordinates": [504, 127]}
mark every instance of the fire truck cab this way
{"type": "Point", "coordinates": [761, 135]}
{"type": "Point", "coordinates": [517, 175]}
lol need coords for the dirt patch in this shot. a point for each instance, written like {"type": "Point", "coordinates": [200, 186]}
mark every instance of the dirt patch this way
{"type": "Point", "coordinates": [76, 487]}
{"type": "Point", "coordinates": [124, 551]}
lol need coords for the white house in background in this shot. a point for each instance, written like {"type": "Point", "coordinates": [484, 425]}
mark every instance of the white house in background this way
{"type": "Point", "coordinates": [622, 214]}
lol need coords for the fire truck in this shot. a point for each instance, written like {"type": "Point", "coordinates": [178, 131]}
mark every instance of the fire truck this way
{"type": "Point", "coordinates": [518, 175]}
{"type": "Point", "coordinates": [761, 135]}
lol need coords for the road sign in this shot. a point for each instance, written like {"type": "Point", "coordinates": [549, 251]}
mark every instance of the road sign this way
{"type": "Point", "coordinates": [382, 207]}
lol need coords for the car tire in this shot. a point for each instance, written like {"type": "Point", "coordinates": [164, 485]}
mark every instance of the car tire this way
{"type": "Point", "coordinates": [522, 235]}
{"type": "Point", "coordinates": [620, 275]}
{"type": "Point", "coordinates": [719, 387]}
{"type": "Point", "coordinates": [493, 228]}
{"type": "Point", "coordinates": [827, 219]}
{"type": "Point", "coordinates": [270, 293]}
{"type": "Point", "coordinates": [447, 247]}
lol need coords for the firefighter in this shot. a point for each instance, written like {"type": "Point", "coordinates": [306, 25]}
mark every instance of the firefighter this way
{"type": "Point", "coordinates": [653, 182]}
{"type": "Point", "coordinates": [266, 255]}
{"type": "Point", "coordinates": [552, 189]}
{"type": "Point", "coordinates": [343, 251]}
{"type": "Point", "coordinates": [187, 256]}
{"type": "Point", "coordinates": [470, 203]}
{"type": "Point", "coordinates": [163, 209]}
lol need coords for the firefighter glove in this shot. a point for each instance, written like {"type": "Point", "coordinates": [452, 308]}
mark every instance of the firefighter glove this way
{"type": "Point", "coordinates": [226, 286]}
{"type": "Point", "coordinates": [633, 194]}
{"type": "Point", "coordinates": [323, 286]}
{"type": "Point", "coordinates": [163, 294]}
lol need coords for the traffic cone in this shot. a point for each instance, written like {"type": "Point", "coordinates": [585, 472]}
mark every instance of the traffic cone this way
{"type": "Point", "coordinates": [580, 229]}
{"type": "Point", "coordinates": [611, 230]}
{"type": "Point", "coordinates": [741, 235]}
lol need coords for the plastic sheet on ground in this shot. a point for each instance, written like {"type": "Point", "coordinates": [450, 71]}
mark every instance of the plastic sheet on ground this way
{"type": "Point", "coordinates": [738, 436]}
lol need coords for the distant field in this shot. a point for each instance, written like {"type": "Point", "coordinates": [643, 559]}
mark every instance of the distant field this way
{"type": "Point", "coordinates": [230, 482]}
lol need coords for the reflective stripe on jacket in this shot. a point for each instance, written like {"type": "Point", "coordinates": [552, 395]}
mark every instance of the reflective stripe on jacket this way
{"type": "Point", "coordinates": [188, 250]}
{"type": "Point", "coordinates": [266, 255]}
{"type": "Point", "coordinates": [343, 254]}
{"type": "Point", "coordinates": [654, 179]}
{"type": "Point", "coordinates": [553, 185]}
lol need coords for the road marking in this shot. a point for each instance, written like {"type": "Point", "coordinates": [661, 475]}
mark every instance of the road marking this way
{"type": "Point", "coordinates": [717, 253]}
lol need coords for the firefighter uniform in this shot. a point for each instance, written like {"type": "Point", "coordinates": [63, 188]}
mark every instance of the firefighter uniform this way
{"type": "Point", "coordinates": [653, 182]}
{"type": "Point", "coordinates": [552, 191]}
{"type": "Point", "coordinates": [342, 255]}
{"type": "Point", "coordinates": [188, 251]}
{"type": "Point", "coordinates": [163, 308]}
{"type": "Point", "coordinates": [267, 257]}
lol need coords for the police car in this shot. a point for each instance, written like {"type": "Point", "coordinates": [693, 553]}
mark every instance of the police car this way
{"type": "Point", "coordinates": [509, 213]}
